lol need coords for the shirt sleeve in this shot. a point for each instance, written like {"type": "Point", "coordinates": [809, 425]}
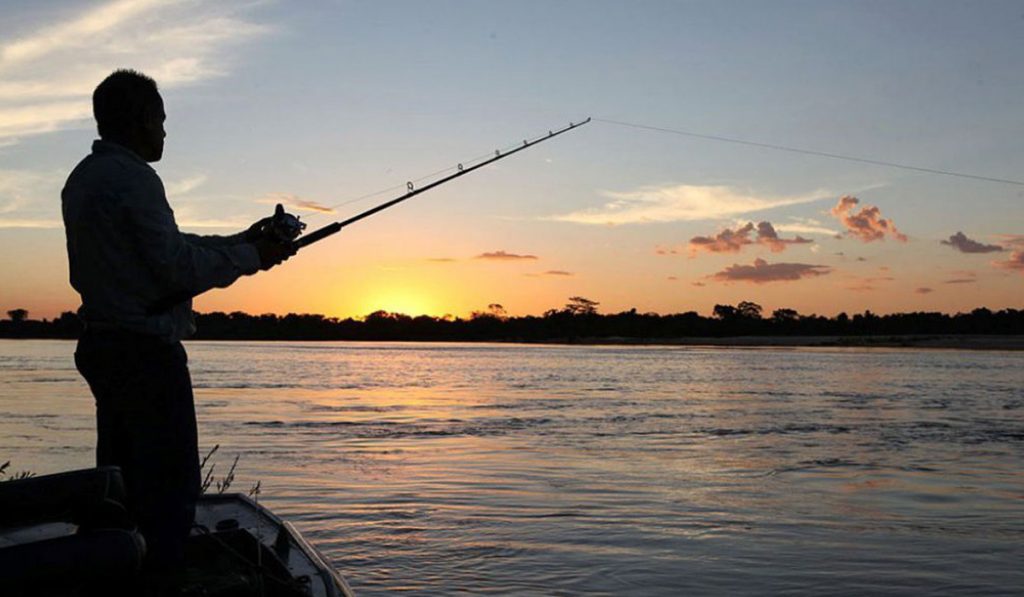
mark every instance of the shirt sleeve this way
{"type": "Point", "coordinates": [181, 266]}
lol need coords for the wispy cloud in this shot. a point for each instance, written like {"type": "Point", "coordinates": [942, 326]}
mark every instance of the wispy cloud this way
{"type": "Point", "coordinates": [962, 277]}
{"type": "Point", "coordinates": [867, 224]}
{"type": "Point", "coordinates": [960, 242]}
{"type": "Point", "coordinates": [16, 188]}
{"type": "Point", "coordinates": [30, 199]}
{"type": "Point", "coordinates": [762, 272]}
{"type": "Point", "coordinates": [867, 283]}
{"type": "Point", "coordinates": [675, 203]}
{"type": "Point", "coordinates": [1014, 263]}
{"type": "Point", "coordinates": [294, 201]}
{"type": "Point", "coordinates": [861, 287]}
{"type": "Point", "coordinates": [184, 186]}
{"type": "Point", "coordinates": [924, 290]}
{"type": "Point", "coordinates": [551, 272]}
{"type": "Point", "coordinates": [1016, 260]}
{"type": "Point", "coordinates": [503, 256]}
{"type": "Point", "coordinates": [805, 226]}
{"type": "Point", "coordinates": [47, 75]}
{"type": "Point", "coordinates": [29, 223]}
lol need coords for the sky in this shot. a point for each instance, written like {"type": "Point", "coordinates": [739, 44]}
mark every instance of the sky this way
{"type": "Point", "coordinates": [317, 104]}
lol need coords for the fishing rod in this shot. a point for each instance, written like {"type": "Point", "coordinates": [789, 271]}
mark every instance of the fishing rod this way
{"type": "Point", "coordinates": [287, 227]}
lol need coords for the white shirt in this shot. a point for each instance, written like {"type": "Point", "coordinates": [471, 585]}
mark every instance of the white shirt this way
{"type": "Point", "coordinates": [126, 254]}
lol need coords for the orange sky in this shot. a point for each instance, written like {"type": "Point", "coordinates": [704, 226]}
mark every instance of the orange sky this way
{"type": "Point", "coordinates": [318, 106]}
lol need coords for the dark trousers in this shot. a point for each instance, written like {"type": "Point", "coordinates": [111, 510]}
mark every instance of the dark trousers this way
{"type": "Point", "coordinates": [146, 424]}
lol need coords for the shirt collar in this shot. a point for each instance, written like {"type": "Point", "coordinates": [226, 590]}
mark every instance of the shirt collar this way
{"type": "Point", "coordinates": [100, 146]}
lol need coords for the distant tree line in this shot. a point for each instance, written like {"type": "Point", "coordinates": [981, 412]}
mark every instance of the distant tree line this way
{"type": "Point", "coordinates": [577, 321]}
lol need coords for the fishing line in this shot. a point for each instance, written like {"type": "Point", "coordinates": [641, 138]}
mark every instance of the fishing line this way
{"type": "Point", "coordinates": [287, 227]}
{"type": "Point", "coordinates": [392, 189]}
{"type": "Point", "coordinates": [823, 154]}
{"type": "Point", "coordinates": [401, 186]}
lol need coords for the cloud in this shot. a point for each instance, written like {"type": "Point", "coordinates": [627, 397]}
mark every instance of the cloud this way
{"type": "Point", "coordinates": [184, 186]}
{"type": "Point", "coordinates": [962, 277]}
{"type": "Point", "coordinates": [867, 224]}
{"type": "Point", "coordinates": [867, 283]}
{"type": "Point", "coordinates": [557, 272]}
{"type": "Point", "coordinates": [806, 226]}
{"type": "Point", "coordinates": [29, 223]}
{"type": "Point", "coordinates": [441, 260]}
{"type": "Point", "coordinates": [48, 74]}
{"type": "Point", "coordinates": [923, 290]}
{"type": "Point", "coordinates": [16, 188]}
{"type": "Point", "coordinates": [1016, 260]}
{"type": "Point", "coordinates": [676, 203]}
{"type": "Point", "coordinates": [960, 242]}
{"type": "Point", "coordinates": [294, 201]}
{"type": "Point", "coordinates": [726, 241]}
{"type": "Point", "coordinates": [731, 241]}
{"type": "Point", "coordinates": [503, 256]}
{"type": "Point", "coordinates": [1014, 263]}
{"type": "Point", "coordinates": [30, 199]}
{"type": "Point", "coordinates": [762, 272]}
{"type": "Point", "coordinates": [767, 236]}
{"type": "Point", "coordinates": [861, 287]}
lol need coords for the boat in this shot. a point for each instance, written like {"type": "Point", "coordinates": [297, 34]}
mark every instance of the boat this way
{"type": "Point", "coordinates": [69, 534]}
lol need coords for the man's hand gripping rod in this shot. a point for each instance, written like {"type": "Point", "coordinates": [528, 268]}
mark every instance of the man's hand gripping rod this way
{"type": "Point", "coordinates": [294, 229]}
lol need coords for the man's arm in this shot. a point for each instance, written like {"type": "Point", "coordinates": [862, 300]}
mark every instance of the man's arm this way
{"type": "Point", "coordinates": [182, 267]}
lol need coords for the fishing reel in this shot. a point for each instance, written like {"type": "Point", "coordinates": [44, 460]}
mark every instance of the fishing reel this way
{"type": "Point", "coordinates": [282, 226]}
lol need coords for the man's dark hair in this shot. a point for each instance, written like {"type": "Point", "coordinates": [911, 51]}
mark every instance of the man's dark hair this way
{"type": "Point", "coordinates": [120, 100]}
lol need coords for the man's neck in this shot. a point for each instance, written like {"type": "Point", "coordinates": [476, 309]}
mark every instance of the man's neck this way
{"type": "Point", "coordinates": [128, 143]}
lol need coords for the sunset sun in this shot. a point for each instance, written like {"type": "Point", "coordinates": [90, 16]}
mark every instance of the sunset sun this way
{"type": "Point", "coordinates": [411, 303]}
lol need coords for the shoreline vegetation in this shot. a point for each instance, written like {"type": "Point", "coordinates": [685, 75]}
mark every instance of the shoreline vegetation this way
{"type": "Point", "coordinates": [579, 322]}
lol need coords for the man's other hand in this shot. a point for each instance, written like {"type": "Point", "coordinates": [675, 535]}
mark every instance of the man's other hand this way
{"type": "Point", "coordinates": [273, 252]}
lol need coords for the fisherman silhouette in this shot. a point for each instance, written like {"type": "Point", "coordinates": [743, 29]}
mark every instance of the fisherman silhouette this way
{"type": "Point", "coordinates": [125, 256]}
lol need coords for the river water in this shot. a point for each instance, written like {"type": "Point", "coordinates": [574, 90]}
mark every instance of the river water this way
{"type": "Point", "coordinates": [569, 470]}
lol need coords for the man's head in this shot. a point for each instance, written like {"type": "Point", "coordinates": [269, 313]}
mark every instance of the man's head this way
{"type": "Point", "coordinates": [129, 110]}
